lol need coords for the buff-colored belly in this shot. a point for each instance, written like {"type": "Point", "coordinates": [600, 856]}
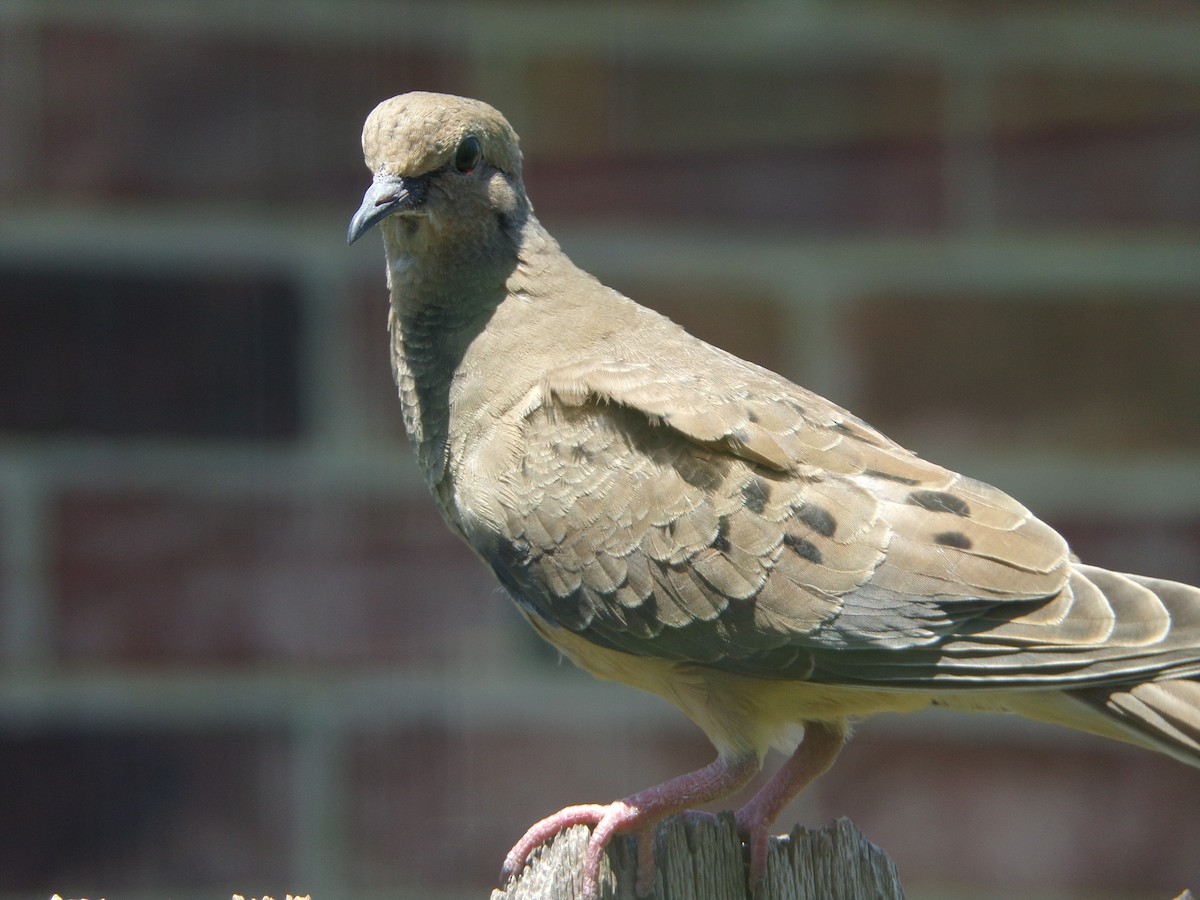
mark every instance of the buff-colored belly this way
{"type": "Point", "coordinates": [739, 714]}
{"type": "Point", "coordinates": [743, 715]}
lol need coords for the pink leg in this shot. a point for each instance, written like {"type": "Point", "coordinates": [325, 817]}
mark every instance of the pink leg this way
{"type": "Point", "coordinates": [816, 753]}
{"type": "Point", "coordinates": [638, 812]}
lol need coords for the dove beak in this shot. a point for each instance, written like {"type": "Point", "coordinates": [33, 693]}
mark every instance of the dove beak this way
{"type": "Point", "coordinates": [387, 195]}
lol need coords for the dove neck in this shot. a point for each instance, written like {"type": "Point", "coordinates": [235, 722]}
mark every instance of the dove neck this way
{"type": "Point", "coordinates": [432, 324]}
{"type": "Point", "coordinates": [471, 340]}
{"type": "Point", "coordinates": [448, 340]}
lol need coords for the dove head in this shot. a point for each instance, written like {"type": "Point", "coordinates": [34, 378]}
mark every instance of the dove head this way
{"type": "Point", "coordinates": [438, 161]}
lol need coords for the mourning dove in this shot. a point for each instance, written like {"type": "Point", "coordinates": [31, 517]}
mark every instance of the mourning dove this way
{"type": "Point", "coordinates": [682, 521]}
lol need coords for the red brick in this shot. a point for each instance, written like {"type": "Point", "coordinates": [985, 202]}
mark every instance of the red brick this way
{"type": "Point", "coordinates": [743, 321]}
{"type": "Point", "coordinates": [17, 124]}
{"type": "Point", "coordinates": [571, 107]}
{"type": "Point", "coordinates": [1032, 99]}
{"type": "Point", "coordinates": [1171, 11]}
{"type": "Point", "coordinates": [127, 353]}
{"type": "Point", "coordinates": [424, 794]}
{"type": "Point", "coordinates": [1105, 375]}
{"type": "Point", "coordinates": [1089, 177]}
{"type": "Point", "coordinates": [88, 812]}
{"type": "Point", "coordinates": [1159, 547]}
{"type": "Point", "coordinates": [850, 146]}
{"type": "Point", "coordinates": [1008, 818]}
{"type": "Point", "coordinates": [198, 117]}
{"type": "Point", "coordinates": [771, 105]}
{"type": "Point", "coordinates": [187, 579]}
{"type": "Point", "coordinates": [872, 187]}
{"type": "Point", "coordinates": [591, 108]}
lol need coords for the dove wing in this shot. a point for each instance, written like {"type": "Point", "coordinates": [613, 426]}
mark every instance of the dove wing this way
{"type": "Point", "coordinates": [706, 510]}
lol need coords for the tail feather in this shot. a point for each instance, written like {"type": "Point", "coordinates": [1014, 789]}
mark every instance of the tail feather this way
{"type": "Point", "coordinates": [1155, 631]}
{"type": "Point", "coordinates": [1164, 712]}
{"type": "Point", "coordinates": [1164, 715]}
{"type": "Point", "coordinates": [1148, 690]}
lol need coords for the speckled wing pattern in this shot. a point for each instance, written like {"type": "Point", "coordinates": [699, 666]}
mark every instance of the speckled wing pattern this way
{"type": "Point", "coordinates": [703, 509]}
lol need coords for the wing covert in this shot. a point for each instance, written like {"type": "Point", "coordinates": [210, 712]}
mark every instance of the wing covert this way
{"type": "Point", "coordinates": [763, 530]}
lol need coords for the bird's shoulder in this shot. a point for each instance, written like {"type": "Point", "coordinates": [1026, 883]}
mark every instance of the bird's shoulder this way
{"type": "Point", "coordinates": [710, 397]}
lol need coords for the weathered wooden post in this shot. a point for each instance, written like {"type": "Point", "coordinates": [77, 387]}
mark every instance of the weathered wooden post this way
{"type": "Point", "coordinates": [702, 859]}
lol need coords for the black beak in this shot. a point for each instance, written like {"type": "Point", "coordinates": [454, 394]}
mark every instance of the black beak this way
{"type": "Point", "coordinates": [387, 195]}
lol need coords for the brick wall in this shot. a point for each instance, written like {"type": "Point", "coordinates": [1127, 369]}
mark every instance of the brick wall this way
{"type": "Point", "coordinates": [239, 652]}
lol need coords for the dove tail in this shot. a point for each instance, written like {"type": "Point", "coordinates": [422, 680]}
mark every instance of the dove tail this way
{"type": "Point", "coordinates": [1161, 711]}
{"type": "Point", "coordinates": [1160, 715]}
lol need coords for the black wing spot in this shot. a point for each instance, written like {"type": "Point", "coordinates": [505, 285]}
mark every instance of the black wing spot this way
{"type": "Point", "coordinates": [802, 548]}
{"type": "Point", "coordinates": [755, 494]}
{"type": "Point", "coordinates": [953, 539]}
{"type": "Point", "coordinates": [721, 541]}
{"type": "Point", "coordinates": [703, 472]}
{"type": "Point", "coordinates": [857, 432]}
{"type": "Point", "coordinates": [940, 501]}
{"type": "Point", "coordinates": [888, 476]}
{"type": "Point", "coordinates": [818, 518]}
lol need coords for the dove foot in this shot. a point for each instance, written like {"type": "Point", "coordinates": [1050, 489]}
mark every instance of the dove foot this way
{"type": "Point", "coordinates": [637, 813]}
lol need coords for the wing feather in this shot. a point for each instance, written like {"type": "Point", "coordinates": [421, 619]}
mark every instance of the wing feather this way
{"type": "Point", "coordinates": [762, 529]}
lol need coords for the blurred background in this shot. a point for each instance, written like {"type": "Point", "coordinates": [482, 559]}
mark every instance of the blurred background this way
{"type": "Point", "coordinates": [238, 650]}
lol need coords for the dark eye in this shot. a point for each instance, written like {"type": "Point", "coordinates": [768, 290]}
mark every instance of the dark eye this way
{"type": "Point", "coordinates": [468, 155]}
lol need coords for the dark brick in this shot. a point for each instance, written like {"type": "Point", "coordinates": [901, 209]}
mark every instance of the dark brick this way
{"type": "Point", "coordinates": [124, 354]}
{"type": "Point", "coordinates": [187, 579]}
{"type": "Point", "coordinates": [372, 375]}
{"type": "Point", "coordinates": [88, 812]}
{"type": "Point", "coordinates": [8, 628]}
{"type": "Point", "coordinates": [422, 794]}
{"type": "Point", "coordinates": [1106, 374]}
{"type": "Point", "coordinates": [199, 117]}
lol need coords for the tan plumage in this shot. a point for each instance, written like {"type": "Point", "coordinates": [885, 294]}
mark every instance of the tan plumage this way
{"type": "Point", "coordinates": [680, 520]}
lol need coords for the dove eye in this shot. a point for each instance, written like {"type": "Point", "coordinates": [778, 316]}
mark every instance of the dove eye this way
{"type": "Point", "coordinates": [468, 155]}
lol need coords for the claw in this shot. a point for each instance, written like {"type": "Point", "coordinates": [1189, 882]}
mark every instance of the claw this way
{"type": "Point", "coordinates": [606, 822]}
{"type": "Point", "coordinates": [638, 813]}
{"type": "Point", "coordinates": [541, 832]}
